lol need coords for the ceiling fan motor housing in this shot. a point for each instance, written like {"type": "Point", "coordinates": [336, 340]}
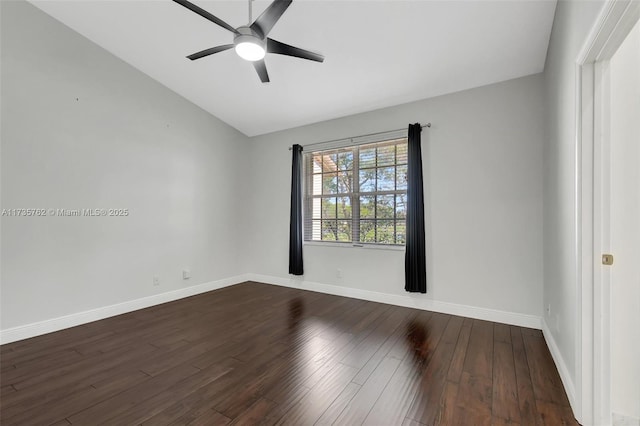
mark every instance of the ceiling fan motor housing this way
{"type": "Point", "coordinates": [248, 35]}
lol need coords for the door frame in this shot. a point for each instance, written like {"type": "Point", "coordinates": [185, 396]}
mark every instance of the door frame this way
{"type": "Point", "coordinates": [593, 361]}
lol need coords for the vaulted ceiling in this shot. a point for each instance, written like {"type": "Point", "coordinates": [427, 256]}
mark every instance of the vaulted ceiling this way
{"type": "Point", "coordinates": [378, 53]}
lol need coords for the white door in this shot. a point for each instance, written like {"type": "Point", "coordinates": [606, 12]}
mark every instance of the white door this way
{"type": "Point", "coordinates": [624, 214]}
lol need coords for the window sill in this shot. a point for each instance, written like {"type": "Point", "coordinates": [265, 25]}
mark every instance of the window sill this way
{"type": "Point", "coordinates": [355, 246]}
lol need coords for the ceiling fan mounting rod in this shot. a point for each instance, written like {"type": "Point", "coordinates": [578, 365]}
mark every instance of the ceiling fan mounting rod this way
{"type": "Point", "coordinates": [250, 10]}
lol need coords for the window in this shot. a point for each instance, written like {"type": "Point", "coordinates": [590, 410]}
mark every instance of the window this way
{"type": "Point", "coordinates": [357, 194]}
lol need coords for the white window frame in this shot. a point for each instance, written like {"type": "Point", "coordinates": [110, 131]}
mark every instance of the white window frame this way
{"type": "Point", "coordinates": [354, 145]}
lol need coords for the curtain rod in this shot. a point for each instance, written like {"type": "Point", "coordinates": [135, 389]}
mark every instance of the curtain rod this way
{"type": "Point", "coordinates": [359, 136]}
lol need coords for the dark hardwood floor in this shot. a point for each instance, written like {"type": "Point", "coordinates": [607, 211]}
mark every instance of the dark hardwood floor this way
{"type": "Point", "coordinates": [260, 354]}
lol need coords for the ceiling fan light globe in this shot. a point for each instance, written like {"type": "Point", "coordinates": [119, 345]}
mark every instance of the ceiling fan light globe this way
{"type": "Point", "coordinates": [250, 51]}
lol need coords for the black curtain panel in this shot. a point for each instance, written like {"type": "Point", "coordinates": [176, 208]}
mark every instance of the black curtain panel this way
{"type": "Point", "coordinates": [295, 223]}
{"type": "Point", "coordinates": [415, 261]}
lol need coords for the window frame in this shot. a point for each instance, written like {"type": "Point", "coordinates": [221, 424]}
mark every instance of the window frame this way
{"type": "Point", "coordinates": [355, 195]}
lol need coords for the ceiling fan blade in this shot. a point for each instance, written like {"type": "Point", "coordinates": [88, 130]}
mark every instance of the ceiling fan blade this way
{"type": "Point", "coordinates": [210, 51]}
{"type": "Point", "coordinates": [261, 69]}
{"type": "Point", "coordinates": [200, 11]}
{"type": "Point", "coordinates": [274, 46]}
{"type": "Point", "coordinates": [270, 16]}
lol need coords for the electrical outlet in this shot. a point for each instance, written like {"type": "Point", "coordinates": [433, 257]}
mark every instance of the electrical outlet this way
{"type": "Point", "coordinates": [186, 274]}
{"type": "Point", "coordinates": [156, 280]}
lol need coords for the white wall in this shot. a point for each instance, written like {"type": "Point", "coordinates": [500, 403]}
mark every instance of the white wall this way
{"type": "Point", "coordinates": [572, 22]}
{"type": "Point", "coordinates": [482, 162]}
{"type": "Point", "coordinates": [625, 227]}
{"type": "Point", "coordinates": [82, 129]}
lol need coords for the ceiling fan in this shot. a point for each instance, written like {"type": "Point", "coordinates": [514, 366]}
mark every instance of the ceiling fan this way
{"type": "Point", "coordinates": [250, 41]}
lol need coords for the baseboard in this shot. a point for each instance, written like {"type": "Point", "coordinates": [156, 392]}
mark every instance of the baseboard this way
{"type": "Point", "coordinates": [565, 376]}
{"type": "Point", "coordinates": [417, 302]}
{"type": "Point", "coordinates": [622, 420]}
{"type": "Point", "coordinates": [72, 320]}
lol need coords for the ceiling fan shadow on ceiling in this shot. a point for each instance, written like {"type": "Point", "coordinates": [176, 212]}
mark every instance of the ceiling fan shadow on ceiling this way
{"type": "Point", "coordinates": [251, 42]}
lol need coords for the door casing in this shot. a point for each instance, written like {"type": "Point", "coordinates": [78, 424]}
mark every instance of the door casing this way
{"type": "Point", "coordinates": [593, 360]}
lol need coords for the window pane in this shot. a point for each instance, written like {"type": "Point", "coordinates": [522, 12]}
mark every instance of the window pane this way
{"type": "Point", "coordinates": [386, 155]}
{"type": "Point", "coordinates": [368, 206]}
{"type": "Point", "coordinates": [345, 160]}
{"type": "Point", "coordinates": [329, 162]}
{"type": "Point", "coordinates": [368, 180]}
{"type": "Point", "coordinates": [401, 152]}
{"type": "Point", "coordinates": [401, 232]}
{"type": "Point", "coordinates": [384, 232]}
{"type": "Point", "coordinates": [367, 157]}
{"type": "Point", "coordinates": [329, 230]}
{"type": "Point", "coordinates": [402, 178]}
{"type": "Point", "coordinates": [328, 208]}
{"type": "Point", "coordinates": [330, 183]}
{"type": "Point", "coordinates": [386, 178]}
{"type": "Point", "coordinates": [367, 231]}
{"type": "Point", "coordinates": [317, 163]}
{"type": "Point", "coordinates": [344, 207]}
{"type": "Point", "coordinates": [384, 207]}
{"type": "Point", "coordinates": [344, 230]}
{"type": "Point", "coordinates": [316, 212]}
{"type": "Point", "coordinates": [316, 185]}
{"type": "Point", "coordinates": [345, 182]}
{"type": "Point", "coordinates": [315, 230]}
{"type": "Point", "coordinates": [401, 206]}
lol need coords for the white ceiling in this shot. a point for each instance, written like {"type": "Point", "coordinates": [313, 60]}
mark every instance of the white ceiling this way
{"type": "Point", "coordinates": [378, 53]}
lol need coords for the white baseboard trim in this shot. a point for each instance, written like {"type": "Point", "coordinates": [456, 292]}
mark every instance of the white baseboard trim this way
{"type": "Point", "coordinates": [417, 302]}
{"type": "Point", "coordinates": [569, 387]}
{"type": "Point", "coordinates": [72, 320]}
{"type": "Point", "coordinates": [622, 420]}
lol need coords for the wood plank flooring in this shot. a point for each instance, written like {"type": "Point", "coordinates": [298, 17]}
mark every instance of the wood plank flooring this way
{"type": "Point", "coordinates": [260, 354]}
